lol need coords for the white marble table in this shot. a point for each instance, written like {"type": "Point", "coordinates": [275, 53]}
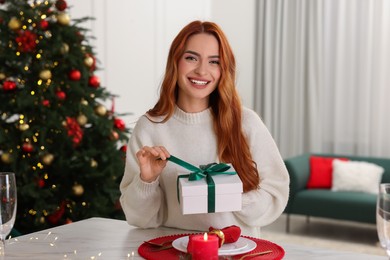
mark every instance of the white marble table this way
{"type": "Point", "coordinates": [99, 238]}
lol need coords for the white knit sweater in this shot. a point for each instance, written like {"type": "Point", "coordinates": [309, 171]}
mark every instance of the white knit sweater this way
{"type": "Point", "coordinates": [190, 137]}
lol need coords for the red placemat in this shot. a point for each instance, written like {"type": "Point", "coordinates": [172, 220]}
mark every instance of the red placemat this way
{"type": "Point", "coordinates": [146, 251]}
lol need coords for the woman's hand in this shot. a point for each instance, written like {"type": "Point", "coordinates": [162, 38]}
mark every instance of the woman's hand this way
{"type": "Point", "coordinates": [152, 160]}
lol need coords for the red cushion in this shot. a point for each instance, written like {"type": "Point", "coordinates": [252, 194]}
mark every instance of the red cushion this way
{"type": "Point", "coordinates": [321, 172]}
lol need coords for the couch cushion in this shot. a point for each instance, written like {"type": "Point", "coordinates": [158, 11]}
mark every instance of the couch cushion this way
{"type": "Point", "coordinates": [356, 176]}
{"type": "Point", "coordinates": [321, 172]}
{"type": "Point", "coordinates": [345, 205]}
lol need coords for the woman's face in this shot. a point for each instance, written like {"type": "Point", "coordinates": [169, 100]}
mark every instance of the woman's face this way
{"type": "Point", "coordinates": [199, 72]}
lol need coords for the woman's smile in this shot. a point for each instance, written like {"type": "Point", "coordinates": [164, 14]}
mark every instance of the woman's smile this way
{"type": "Point", "coordinates": [199, 83]}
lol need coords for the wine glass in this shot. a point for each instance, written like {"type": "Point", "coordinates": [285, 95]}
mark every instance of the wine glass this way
{"type": "Point", "coordinates": [7, 206]}
{"type": "Point", "coordinates": [383, 216]}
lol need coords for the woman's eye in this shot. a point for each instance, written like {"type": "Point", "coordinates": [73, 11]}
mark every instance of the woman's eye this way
{"type": "Point", "coordinates": [190, 58]}
{"type": "Point", "coordinates": [215, 62]}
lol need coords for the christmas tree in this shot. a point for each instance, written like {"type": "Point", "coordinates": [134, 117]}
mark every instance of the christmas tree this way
{"type": "Point", "coordinates": [66, 148]}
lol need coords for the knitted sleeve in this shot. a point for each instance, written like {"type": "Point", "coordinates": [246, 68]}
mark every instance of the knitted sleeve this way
{"type": "Point", "coordinates": [264, 205]}
{"type": "Point", "coordinates": [141, 202]}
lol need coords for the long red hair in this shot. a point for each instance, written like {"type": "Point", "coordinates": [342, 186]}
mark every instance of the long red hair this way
{"type": "Point", "coordinates": [224, 102]}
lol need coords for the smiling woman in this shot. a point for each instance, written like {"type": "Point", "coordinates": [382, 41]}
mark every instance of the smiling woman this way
{"type": "Point", "coordinates": [199, 117]}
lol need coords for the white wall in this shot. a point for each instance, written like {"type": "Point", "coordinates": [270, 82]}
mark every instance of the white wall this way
{"type": "Point", "coordinates": [133, 38]}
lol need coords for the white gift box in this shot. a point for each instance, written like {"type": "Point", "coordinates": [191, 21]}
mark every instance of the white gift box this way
{"type": "Point", "coordinates": [193, 195]}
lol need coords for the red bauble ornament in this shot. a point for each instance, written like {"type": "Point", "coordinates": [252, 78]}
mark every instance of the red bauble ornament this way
{"type": "Point", "coordinates": [61, 5]}
{"type": "Point", "coordinates": [94, 81]}
{"type": "Point", "coordinates": [124, 148]}
{"type": "Point", "coordinates": [9, 85]}
{"type": "Point", "coordinates": [120, 124]}
{"type": "Point", "coordinates": [75, 75]}
{"type": "Point", "coordinates": [27, 147]}
{"type": "Point", "coordinates": [44, 24]}
{"type": "Point", "coordinates": [61, 95]}
{"type": "Point", "coordinates": [41, 183]}
{"type": "Point", "coordinates": [46, 103]}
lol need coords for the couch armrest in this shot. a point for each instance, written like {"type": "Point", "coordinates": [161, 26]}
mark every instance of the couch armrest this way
{"type": "Point", "coordinates": [299, 170]}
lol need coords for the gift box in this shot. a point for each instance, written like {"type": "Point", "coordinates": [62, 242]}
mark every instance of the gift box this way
{"type": "Point", "coordinates": [195, 196]}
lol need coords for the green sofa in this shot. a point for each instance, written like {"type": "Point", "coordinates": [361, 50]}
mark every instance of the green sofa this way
{"type": "Point", "coordinates": [325, 203]}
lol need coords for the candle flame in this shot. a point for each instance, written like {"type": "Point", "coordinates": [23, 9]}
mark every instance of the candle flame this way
{"type": "Point", "coordinates": [205, 237]}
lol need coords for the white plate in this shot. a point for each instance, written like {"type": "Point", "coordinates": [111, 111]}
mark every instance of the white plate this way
{"type": "Point", "coordinates": [241, 246]}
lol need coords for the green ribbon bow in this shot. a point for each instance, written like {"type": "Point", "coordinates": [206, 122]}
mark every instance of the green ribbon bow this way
{"type": "Point", "coordinates": [204, 171]}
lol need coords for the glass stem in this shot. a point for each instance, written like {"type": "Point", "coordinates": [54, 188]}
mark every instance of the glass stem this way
{"type": "Point", "coordinates": [2, 249]}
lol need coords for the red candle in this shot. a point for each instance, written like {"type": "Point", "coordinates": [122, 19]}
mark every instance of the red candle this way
{"type": "Point", "coordinates": [204, 247]}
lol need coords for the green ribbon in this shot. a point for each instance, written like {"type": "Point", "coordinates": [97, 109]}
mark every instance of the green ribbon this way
{"type": "Point", "coordinates": [198, 173]}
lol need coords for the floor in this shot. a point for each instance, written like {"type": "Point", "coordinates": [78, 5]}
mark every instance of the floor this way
{"type": "Point", "coordinates": [326, 233]}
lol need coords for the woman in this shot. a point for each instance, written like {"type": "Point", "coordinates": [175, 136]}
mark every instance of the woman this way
{"type": "Point", "coordinates": [199, 119]}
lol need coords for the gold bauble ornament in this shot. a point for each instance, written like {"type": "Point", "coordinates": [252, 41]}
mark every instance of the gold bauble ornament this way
{"type": "Point", "coordinates": [63, 18]}
{"type": "Point", "coordinates": [100, 110]}
{"type": "Point", "coordinates": [47, 159]}
{"type": "Point", "coordinates": [45, 74]}
{"type": "Point", "coordinates": [2, 76]}
{"type": "Point", "coordinates": [14, 23]}
{"type": "Point", "coordinates": [42, 220]}
{"type": "Point", "coordinates": [64, 48]}
{"type": "Point", "coordinates": [94, 163]}
{"type": "Point", "coordinates": [82, 120]}
{"type": "Point", "coordinates": [88, 61]}
{"type": "Point", "coordinates": [84, 102]}
{"type": "Point", "coordinates": [6, 158]}
{"type": "Point", "coordinates": [78, 189]}
{"type": "Point", "coordinates": [24, 127]}
{"type": "Point", "coordinates": [114, 135]}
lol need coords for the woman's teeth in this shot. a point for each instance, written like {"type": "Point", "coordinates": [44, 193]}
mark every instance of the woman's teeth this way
{"type": "Point", "coordinates": [199, 82]}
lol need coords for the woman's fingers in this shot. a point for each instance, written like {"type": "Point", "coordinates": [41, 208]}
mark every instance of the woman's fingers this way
{"type": "Point", "coordinates": [152, 160]}
{"type": "Point", "coordinates": [163, 152]}
{"type": "Point", "coordinates": [159, 152]}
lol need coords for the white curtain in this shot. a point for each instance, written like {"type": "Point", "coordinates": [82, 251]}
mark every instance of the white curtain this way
{"type": "Point", "coordinates": [323, 75]}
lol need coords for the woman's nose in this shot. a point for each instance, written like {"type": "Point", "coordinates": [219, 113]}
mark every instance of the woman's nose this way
{"type": "Point", "coordinates": [201, 69]}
